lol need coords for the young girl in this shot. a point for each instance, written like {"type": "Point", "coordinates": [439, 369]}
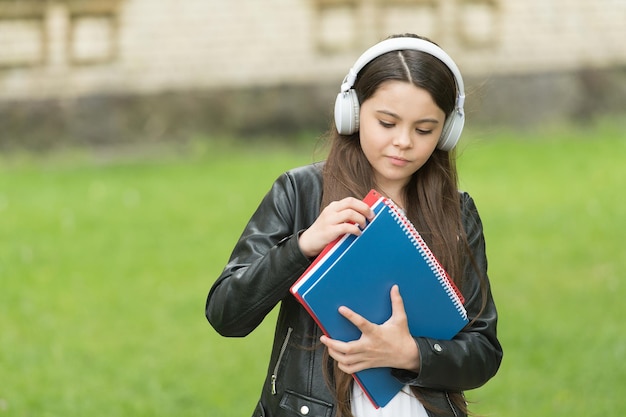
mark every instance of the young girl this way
{"type": "Point", "coordinates": [398, 116]}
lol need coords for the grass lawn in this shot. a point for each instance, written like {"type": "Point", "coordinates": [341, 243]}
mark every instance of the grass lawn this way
{"type": "Point", "coordinates": [105, 266]}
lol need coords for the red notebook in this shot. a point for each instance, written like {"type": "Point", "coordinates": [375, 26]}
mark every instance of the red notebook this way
{"type": "Point", "coordinates": [359, 271]}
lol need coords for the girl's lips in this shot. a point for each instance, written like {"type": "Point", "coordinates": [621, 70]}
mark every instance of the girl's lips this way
{"type": "Point", "coordinates": [396, 160]}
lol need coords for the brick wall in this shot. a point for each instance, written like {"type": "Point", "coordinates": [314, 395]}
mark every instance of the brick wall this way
{"type": "Point", "coordinates": [60, 48]}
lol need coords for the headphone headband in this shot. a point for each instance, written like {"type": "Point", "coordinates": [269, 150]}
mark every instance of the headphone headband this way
{"type": "Point", "coordinates": [398, 44]}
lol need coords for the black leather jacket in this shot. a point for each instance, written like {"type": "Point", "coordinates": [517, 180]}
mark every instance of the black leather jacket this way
{"type": "Point", "coordinates": [267, 260]}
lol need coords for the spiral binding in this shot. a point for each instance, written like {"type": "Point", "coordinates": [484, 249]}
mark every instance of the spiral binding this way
{"type": "Point", "coordinates": [419, 243]}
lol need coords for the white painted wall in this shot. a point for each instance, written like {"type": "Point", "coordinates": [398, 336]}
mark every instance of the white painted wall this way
{"type": "Point", "coordinates": [66, 48]}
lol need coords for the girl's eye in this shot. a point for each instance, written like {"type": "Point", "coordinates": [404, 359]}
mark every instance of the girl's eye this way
{"type": "Point", "coordinates": [386, 124]}
{"type": "Point", "coordinates": [423, 131]}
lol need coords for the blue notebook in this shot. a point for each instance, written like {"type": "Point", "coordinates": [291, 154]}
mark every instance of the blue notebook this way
{"type": "Point", "coordinates": [359, 271]}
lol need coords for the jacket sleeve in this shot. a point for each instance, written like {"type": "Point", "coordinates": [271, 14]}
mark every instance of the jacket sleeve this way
{"type": "Point", "coordinates": [473, 356]}
{"type": "Point", "coordinates": [264, 263]}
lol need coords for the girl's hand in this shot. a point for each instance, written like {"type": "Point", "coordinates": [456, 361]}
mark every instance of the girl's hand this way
{"type": "Point", "coordinates": [337, 219]}
{"type": "Point", "coordinates": [387, 345]}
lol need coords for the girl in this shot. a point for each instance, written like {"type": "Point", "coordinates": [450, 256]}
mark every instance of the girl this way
{"type": "Point", "coordinates": [398, 117]}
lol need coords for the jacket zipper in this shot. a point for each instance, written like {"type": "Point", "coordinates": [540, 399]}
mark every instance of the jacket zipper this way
{"type": "Point", "coordinates": [451, 405]}
{"type": "Point", "coordinates": [283, 348]}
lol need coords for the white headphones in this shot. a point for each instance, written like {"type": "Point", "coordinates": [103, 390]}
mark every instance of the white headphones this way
{"type": "Point", "coordinates": [347, 103]}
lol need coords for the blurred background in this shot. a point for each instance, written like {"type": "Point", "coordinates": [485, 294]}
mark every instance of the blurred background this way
{"type": "Point", "coordinates": [138, 136]}
{"type": "Point", "coordinates": [115, 71]}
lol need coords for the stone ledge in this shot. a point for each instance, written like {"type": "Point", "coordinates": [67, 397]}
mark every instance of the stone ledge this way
{"type": "Point", "coordinates": [100, 120]}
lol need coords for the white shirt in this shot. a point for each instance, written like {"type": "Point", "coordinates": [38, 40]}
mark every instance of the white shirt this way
{"type": "Point", "coordinates": [404, 404]}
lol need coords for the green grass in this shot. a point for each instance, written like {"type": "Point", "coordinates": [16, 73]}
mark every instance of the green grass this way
{"type": "Point", "coordinates": [105, 266]}
{"type": "Point", "coordinates": [554, 223]}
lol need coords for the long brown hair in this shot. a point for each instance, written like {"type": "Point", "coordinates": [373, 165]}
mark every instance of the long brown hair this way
{"type": "Point", "coordinates": [431, 197]}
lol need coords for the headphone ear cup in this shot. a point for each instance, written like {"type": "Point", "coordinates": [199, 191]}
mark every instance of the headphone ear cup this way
{"type": "Point", "coordinates": [347, 112]}
{"type": "Point", "coordinates": [452, 130]}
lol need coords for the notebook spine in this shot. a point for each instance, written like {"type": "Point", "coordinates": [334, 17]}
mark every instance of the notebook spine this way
{"type": "Point", "coordinates": [419, 243]}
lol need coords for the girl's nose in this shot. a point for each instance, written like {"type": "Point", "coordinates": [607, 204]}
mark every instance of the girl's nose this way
{"type": "Point", "coordinates": [403, 139]}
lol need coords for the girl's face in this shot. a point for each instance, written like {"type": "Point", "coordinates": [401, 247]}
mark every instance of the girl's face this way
{"type": "Point", "coordinates": [400, 126]}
